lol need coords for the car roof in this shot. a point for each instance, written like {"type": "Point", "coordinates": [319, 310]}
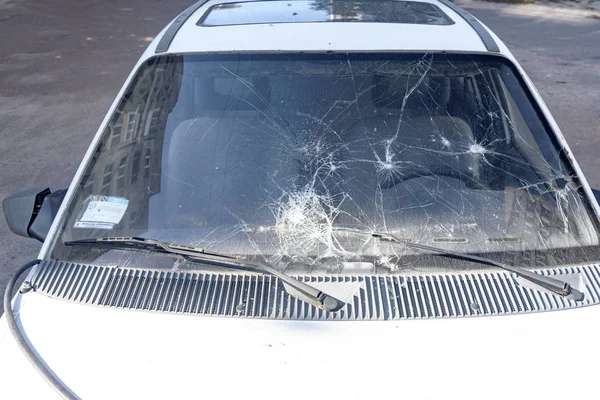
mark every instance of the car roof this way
{"type": "Point", "coordinates": [187, 34]}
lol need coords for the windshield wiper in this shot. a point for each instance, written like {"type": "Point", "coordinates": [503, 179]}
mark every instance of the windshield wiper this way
{"type": "Point", "coordinates": [306, 292]}
{"type": "Point", "coordinates": [556, 286]}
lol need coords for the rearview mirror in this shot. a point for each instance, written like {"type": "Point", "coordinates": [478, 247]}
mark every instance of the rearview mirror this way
{"type": "Point", "coordinates": [30, 213]}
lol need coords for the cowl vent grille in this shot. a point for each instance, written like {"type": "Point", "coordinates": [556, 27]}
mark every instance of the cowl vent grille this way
{"type": "Point", "coordinates": [263, 296]}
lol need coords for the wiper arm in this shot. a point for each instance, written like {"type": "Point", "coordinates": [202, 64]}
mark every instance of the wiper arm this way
{"type": "Point", "coordinates": [309, 293]}
{"type": "Point", "coordinates": [557, 286]}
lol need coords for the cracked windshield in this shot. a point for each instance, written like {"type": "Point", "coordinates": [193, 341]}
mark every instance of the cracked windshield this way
{"type": "Point", "coordinates": [295, 159]}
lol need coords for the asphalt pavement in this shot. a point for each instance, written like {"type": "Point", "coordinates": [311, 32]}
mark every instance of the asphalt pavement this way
{"type": "Point", "coordinates": [62, 63]}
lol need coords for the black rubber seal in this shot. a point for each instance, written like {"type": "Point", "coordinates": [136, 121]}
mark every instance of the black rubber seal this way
{"type": "Point", "coordinates": [486, 38]}
{"type": "Point", "coordinates": [172, 30]}
{"type": "Point", "coordinates": [23, 343]}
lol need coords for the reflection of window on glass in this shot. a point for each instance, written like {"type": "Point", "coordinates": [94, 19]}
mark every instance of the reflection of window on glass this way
{"type": "Point", "coordinates": [135, 167]}
{"type": "Point", "coordinates": [107, 179]}
{"type": "Point", "coordinates": [88, 187]}
{"type": "Point", "coordinates": [121, 173]}
{"type": "Point", "coordinates": [147, 162]}
{"type": "Point", "coordinates": [115, 133]}
{"type": "Point", "coordinates": [153, 125]}
{"type": "Point", "coordinates": [131, 121]}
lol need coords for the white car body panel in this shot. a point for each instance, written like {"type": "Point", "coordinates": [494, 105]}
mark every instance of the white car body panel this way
{"type": "Point", "coordinates": [323, 37]}
{"type": "Point", "coordinates": [320, 36]}
{"type": "Point", "coordinates": [109, 353]}
{"type": "Point", "coordinates": [103, 353]}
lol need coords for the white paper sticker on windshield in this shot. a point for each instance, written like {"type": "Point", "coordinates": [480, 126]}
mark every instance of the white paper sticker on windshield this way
{"type": "Point", "coordinates": [102, 212]}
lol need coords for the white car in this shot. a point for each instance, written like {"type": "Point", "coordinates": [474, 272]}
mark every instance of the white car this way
{"type": "Point", "coordinates": [313, 199]}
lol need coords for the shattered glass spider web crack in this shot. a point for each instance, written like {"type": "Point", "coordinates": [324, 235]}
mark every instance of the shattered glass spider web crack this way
{"type": "Point", "coordinates": [295, 159]}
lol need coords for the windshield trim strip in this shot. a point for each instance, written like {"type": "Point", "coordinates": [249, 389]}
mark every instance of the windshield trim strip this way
{"type": "Point", "coordinates": [477, 26]}
{"type": "Point", "coordinates": [169, 35]}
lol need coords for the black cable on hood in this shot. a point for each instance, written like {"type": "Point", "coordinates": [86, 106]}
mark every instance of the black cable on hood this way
{"type": "Point", "coordinates": [27, 349]}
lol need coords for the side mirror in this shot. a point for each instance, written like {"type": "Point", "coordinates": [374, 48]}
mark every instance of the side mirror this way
{"type": "Point", "coordinates": [30, 213]}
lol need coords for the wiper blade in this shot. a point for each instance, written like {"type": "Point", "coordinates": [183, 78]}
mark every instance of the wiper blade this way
{"type": "Point", "coordinates": [553, 285]}
{"type": "Point", "coordinates": [132, 242]}
{"type": "Point", "coordinates": [309, 293]}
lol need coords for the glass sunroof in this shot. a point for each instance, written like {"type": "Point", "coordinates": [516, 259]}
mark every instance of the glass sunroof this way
{"type": "Point", "coordinates": [274, 12]}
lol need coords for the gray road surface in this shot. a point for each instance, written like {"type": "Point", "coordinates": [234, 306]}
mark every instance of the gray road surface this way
{"type": "Point", "coordinates": [62, 62]}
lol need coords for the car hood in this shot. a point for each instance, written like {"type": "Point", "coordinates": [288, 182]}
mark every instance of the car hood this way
{"type": "Point", "coordinates": [111, 353]}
